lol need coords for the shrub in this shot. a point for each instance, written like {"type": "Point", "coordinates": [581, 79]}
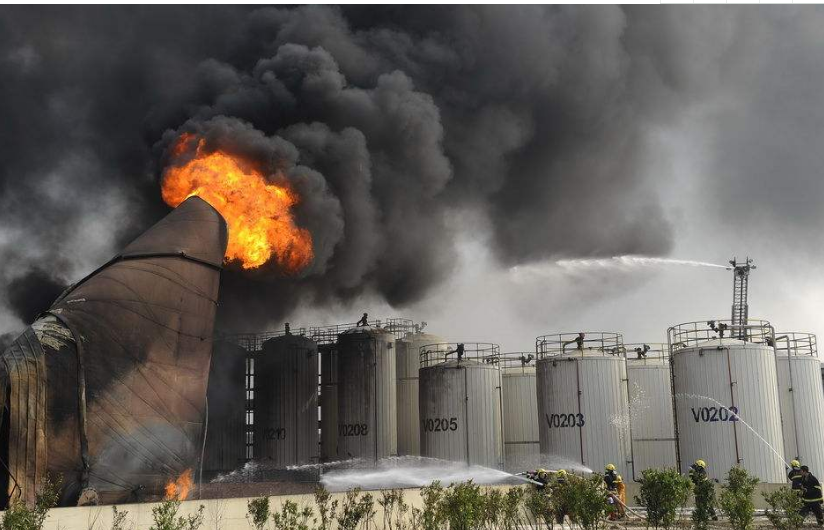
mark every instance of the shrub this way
{"type": "Point", "coordinates": [464, 507]}
{"type": "Point", "coordinates": [118, 519]}
{"type": "Point", "coordinates": [291, 517]}
{"type": "Point", "coordinates": [355, 510]}
{"type": "Point", "coordinates": [326, 508]}
{"type": "Point", "coordinates": [165, 517]}
{"type": "Point", "coordinates": [431, 516]}
{"type": "Point", "coordinates": [540, 508]}
{"type": "Point", "coordinates": [663, 492]}
{"type": "Point", "coordinates": [18, 516]}
{"type": "Point", "coordinates": [784, 508]}
{"type": "Point", "coordinates": [583, 498]}
{"type": "Point", "coordinates": [394, 509]}
{"type": "Point", "coordinates": [736, 498]}
{"type": "Point", "coordinates": [257, 512]}
{"type": "Point", "coordinates": [511, 508]}
{"type": "Point", "coordinates": [704, 504]}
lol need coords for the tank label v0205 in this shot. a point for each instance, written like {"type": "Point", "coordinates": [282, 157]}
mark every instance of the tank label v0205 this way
{"type": "Point", "coordinates": [439, 424]}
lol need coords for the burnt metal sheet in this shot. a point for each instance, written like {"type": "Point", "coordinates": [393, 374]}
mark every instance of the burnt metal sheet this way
{"type": "Point", "coordinates": [225, 444]}
{"type": "Point", "coordinates": [142, 326]}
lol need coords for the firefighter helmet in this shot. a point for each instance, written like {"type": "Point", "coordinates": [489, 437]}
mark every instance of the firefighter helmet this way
{"type": "Point", "coordinates": [562, 472]}
{"type": "Point", "coordinates": [795, 464]}
{"type": "Point", "coordinates": [610, 467]}
{"type": "Point", "coordinates": [700, 463]}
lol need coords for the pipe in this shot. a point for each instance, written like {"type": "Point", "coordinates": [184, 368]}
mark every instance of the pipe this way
{"type": "Point", "coordinates": [732, 404]}
{"type": "Point", "coordinates": [786, 338]}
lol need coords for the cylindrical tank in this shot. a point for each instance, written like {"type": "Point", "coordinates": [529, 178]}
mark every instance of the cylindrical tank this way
{"type": "Point", "coordinates": [409, 362]}
{"type": "Point", "coordinates": [460, 403]}
{"type": "Point", "coordinates": [367, 394]}
{"type": "Point", "coordinates": [582, 399]}
{"type": "Point", "coordinates": [328, 402]}
{"type": "Point", "coordinates": [520, 410]}
{"type": "Point", "coordinates": [286, 401]}
{"type": "Point", "coordinates": [225, 445]}
{"type": "Point", "coordinates": [725, 392]}
{"type": "Point", "coordinates": [801, 398]}
{"type": "Point", "coordinates": [650, 407]}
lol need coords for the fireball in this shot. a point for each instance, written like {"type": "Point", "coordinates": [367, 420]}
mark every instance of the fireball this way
{"type": "Point", "coordinates": [258, 213]}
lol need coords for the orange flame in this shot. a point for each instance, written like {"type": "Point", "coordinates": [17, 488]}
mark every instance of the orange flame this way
{"type": "Point", "coordinates": [179, 488]}
{"type": "Point", "coordinates": [258, 213]}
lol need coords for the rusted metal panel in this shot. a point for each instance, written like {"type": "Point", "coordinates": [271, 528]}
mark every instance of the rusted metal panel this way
{"type": "Point", "coordinates": [142, 326]}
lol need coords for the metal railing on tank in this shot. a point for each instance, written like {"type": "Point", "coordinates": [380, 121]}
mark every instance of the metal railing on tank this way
{"type": "Point", "coordinates": [689, 334]}
{"type": "Point", "coordinates": [589, 343]}
{"type": "Point", "coordinates": [797, 343]}
{"type": "Point", "coordinates": [434, 354]}
{"type": "Point", "coordinates": [253, 342]}
{"type": "Point", "coordinates": [517, 359]}
{"type": "Point", "coordinates": [646, 353]}
{"type": "Point", "coordinates": [398, 327]}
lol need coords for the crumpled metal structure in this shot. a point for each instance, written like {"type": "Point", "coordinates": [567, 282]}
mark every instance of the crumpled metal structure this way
{"type": "Point", "coordinates": [107, 389]}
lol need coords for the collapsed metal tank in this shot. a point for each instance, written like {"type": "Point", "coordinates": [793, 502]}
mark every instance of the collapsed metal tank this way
{"type": "Point", "coordinates": [650, 407]}
{"type": "Point", "coordinates": [108, 389]}
{"type": "Point", "coordinates": [583, 399]}
{"type": "Point", "coordinates": [801, 398]}
{"type": "Point", "coordinates": [725, 391]}
{"type": "Point", "coordinates": [408, 363]}
{"type": "Point", "coordinates": [286, 401]}
{"type": "Point", "coordinates": [367, 394]}
{"type": "Point", "coordinates": [520, 410]}
{"type": "Point", "coordinates": [224, 449]}
{"type": "Point", "coordinates": [460, 403]}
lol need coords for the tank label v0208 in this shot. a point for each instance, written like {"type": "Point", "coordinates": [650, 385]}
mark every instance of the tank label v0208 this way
{"type": "Point", "coordinates": [353, 429]}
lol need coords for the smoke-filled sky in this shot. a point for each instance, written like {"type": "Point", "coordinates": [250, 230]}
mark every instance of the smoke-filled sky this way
{"type": "Point", "coordinates": [446, 157]}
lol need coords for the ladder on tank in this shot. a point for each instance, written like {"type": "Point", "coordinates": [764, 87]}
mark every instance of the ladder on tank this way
{"type": "Point", "coordinates": [740, 309]}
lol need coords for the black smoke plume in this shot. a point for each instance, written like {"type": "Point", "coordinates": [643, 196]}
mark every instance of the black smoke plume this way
{"type": "Point", "coordinates": [388, 121]}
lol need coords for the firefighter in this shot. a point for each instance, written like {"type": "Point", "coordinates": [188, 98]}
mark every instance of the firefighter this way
{"type": "Point", "coordinates": [561, 509]}
{"type": "Point", "coordinates": [541, 476]}
{"type": "Point", "coordinates": [459, 351]}
{"type": "Point", "coordinates": [795, 476]}
{"type": "Point", "coordinates": [698, 475]}
{"type": "Point", "coordinates": [579, 342]}
{"type": "Point", "coordinates": [616, 491]}
{"type": "Point", "coordinates": [364, 321]}
{"type": "Point", "coordinates": [811, 495]}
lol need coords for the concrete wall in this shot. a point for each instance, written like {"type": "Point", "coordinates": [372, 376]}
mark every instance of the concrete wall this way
{"type": "Point", "coordinates": [230, 514]}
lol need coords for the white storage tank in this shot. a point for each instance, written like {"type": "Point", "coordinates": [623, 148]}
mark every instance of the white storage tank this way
{"type": "Point", "coordinates": [409, 362]}
{"type": "Point", "coordinates": [801, 398]}
{"type": "Point", "coordinates": [582, 399]}
{"type": "Point", "coordinates": [460, 403]}
{"type": "Point", "coordinates": [650, 407]}
{"type": "Point", "coordinates": [522, 445]}
{"type": "Point", "coordinates": [725, 392]}
{"type": "Point", "coordinates": [367, 394]}
{"type": "Point", "coordinates": [286, 401]}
